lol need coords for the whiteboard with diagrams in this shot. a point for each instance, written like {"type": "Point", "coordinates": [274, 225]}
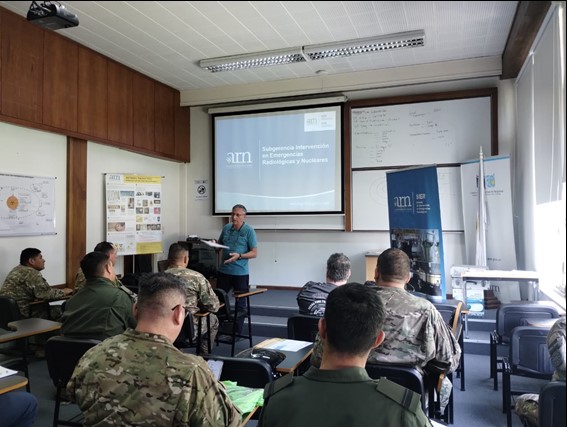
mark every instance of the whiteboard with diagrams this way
{"type": "Point", "coordinates": [27, 205]}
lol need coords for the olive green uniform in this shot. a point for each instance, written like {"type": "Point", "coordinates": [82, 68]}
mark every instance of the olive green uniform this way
{"type": "Point", "coordinates": [339, 398]}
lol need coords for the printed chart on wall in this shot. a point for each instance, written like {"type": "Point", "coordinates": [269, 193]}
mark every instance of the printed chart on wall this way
{"type": "Point", "coordinates": [27, 205]}
{"type": "Point", "coordinates": [133, 213]}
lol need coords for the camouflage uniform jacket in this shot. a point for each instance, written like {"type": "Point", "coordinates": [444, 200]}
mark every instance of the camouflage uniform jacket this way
{"type": "Point", "coordinates": [81, 280]}
{"type": "Point", "coordinates": [200, 294]}
{"type": "Point", "coordinates": [349, 398]}
{"type": "Point", "coordinates": [556, 346]}
{"type": "Point", "coordinates": [415, 335]}
{"type": "Point", "coordinates": [26, 284]}
{"type": "Point", "coordinates": [141, 379]}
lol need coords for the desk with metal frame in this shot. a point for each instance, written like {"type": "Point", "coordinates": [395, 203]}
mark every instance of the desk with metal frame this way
{"type": "Point", "coordinates": [12, 382]}
{"type": "Point", "coordinates": [28, 327]}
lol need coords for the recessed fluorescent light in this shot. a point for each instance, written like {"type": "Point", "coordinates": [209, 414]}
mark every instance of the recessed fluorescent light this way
{"type": "Point", "coordinates": [314, 52]}
{"type": "Point", "coordinates": [260, 59]}
{"type": "Point", "coordinates": [367, 45]}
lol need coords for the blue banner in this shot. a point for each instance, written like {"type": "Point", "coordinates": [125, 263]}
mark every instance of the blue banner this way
{"type": "Point", "coordinates": [415, 227]}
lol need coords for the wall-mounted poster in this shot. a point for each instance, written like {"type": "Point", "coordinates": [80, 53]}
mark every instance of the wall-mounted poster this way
{"type": "Point", "coordinates": [27, 205]}
{"type": "Point", "coordinates": [133, 213]}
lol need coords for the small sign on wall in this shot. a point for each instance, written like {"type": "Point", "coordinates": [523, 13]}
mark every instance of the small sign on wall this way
{"type": "Point", "coordinates": [201, 189]}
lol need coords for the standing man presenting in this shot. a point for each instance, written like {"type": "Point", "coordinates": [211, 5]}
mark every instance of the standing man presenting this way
{"type": "Point", "coordinates": [242, 246]}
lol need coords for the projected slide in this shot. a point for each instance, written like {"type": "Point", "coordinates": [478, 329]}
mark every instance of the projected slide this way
{"type": "Point", "coordinates": [279, 162]}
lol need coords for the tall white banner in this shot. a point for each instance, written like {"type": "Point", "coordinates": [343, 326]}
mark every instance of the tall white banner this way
{"type": "Point", "coordinates": [500, 245]}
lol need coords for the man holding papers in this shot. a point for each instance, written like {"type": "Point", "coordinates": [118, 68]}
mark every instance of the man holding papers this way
{"type": "Point", "coordinates": [240, 239]}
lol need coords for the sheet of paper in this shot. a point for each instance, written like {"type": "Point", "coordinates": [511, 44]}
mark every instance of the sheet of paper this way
{"type": "Point", "coordinates": [216, 367]}
{"type": "Point", "coordinates": [5, 372]}
{"type": "Point", "coordinates": [214, 244]}
{"type": "Point", "coordinates": [288, 345]}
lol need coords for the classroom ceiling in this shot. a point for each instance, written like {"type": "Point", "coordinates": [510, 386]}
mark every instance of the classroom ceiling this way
{"type": "Point", "coordinates": [166, 40]}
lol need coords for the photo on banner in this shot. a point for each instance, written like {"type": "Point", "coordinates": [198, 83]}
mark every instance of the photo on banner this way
{"type": "Point", "coordinates": [415, 227]}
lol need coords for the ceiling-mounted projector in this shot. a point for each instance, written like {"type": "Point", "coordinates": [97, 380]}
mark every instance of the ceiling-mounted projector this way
{"type": "Point", "coordinates": [51, 15]}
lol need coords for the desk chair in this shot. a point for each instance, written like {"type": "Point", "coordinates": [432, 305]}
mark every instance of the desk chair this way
{"type": "Point", "coordinates": [186, 337]}
{"type": "Point", "coordinates": [552, 405]}
{"type": "Point", "coordinates": [246, 372]}
{"type": "Point", "coordinates": [62, 355]}
{"type": "Point", "coordinates": [452, 316]}
{"type": "Point", "coordinates": [13, 354]}
{"type": "Point", "coordinates": [509, 316]}
{"type": "Point", "coordinates": [162, 265]}
{"type": "Point", "coordinates": [403, 375]}
{"type": "Point", "coordinates": [529, 358]}
{"type": "Point", "coordinates": [302, 327]}
{"type": "Point", "coordinates": [228, 317]}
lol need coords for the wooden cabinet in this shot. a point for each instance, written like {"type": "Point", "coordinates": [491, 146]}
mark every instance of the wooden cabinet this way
{"type": "Point", "coordinates": [60, 81]}
{"type": "Point", "coordinates": [22, 69]}
{"type": "Point", "coordinates": [92, 100]}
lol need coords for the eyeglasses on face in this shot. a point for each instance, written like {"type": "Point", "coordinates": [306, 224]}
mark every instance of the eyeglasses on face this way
{"type": "Point", "coordinates": [186, 308]}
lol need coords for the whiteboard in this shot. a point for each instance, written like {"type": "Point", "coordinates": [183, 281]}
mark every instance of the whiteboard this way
{"type": "Point", "coordinates": [27, 205]}
{"type": "Point", "coordinates": [435, 132]}
{"type": "Point", "coordinates": [370, 199]}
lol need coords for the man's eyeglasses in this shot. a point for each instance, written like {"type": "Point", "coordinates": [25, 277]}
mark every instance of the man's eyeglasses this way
{"type": "Point", "coordinates": [187, 311]}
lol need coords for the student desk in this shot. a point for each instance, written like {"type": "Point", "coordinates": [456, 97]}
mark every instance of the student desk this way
{"type": "Point", "coordinates": [12, 382]}
{"type": "Point", "coordinates": [28, 327]}
{"type": "Point", "coordinates": [292, 358]}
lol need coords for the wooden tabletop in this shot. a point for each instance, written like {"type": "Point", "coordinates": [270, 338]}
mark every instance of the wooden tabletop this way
{"type": "Point", "coordinates": [249, 293]}
{"type": "Point", "coordinates": [27, 328]}
{"type": "Point", "coordinates": [13, 382]}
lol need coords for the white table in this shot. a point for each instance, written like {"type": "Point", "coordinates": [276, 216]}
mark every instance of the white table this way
{"type": "Point", "coordinates": [531, 277]}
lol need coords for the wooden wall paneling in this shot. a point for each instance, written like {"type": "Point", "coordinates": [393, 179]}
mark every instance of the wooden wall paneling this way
{"type": "Point", "coordinates": [76, 206]}
{"type": "Point", "coordinates": [164, 119]}
{"type": "Point", "coordinates": [22, 68]}
{"type": "Point", "coordinates": [0, 62]}
{"type": "Point", "coordinates": [182, 131]}
{"type": "Point", "coordinates": [120, 105]}
{"type": "Point", "coordinates": [92, 89]}
{"type": "Point", "coordinates": [60, 81]}
{"type": "Point", "coordinates": [143, 100]}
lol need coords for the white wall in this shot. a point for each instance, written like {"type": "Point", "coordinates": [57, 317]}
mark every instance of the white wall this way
{"type": "Point", "coordinates": [30, 152]}
{"type": "Point", "coordinates": [102, 159]}
{"type": "Point", "coordinates": [286, 258]}
{"type": "Point", "coordinates": [292, 257]}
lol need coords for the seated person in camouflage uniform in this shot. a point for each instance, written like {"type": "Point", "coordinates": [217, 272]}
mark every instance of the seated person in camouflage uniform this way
{"type": "Point", "coordinates": [340, 392]}
{"type": "Point", "coordinates": [99, 309]}
{"type": "Point", "coordinates": [416, 333]}
{"type": "Point", "coordinates": [139, 377]}
{"type": "Point", "coordinates": [200, 294]}
{"type": "Point", "coordinates": [527, 405]}
{"type": "Point", "coordinates": [312, 297]}
{"type": "Point", "coordinates": [110, 250]}
{"type": "Point", "coordinates": [25, 284]}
